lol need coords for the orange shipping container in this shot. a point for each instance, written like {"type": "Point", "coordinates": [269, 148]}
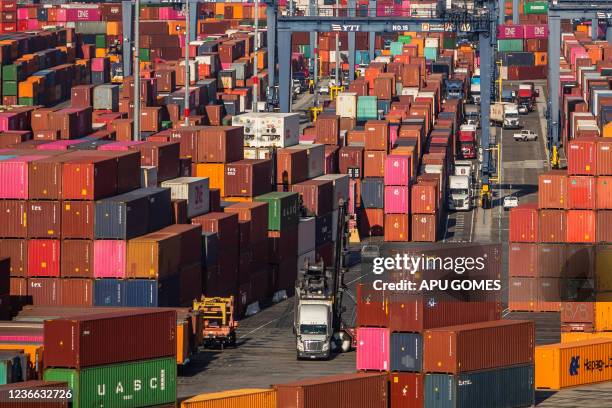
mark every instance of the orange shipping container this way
{"type": "Point", "coordinates": [215, 173]}
{"type": "Point", "coordinates": [565, 365]}
{"type": "Point", "coordinates": [541, 58]}
{"type": "Point", "coordinates": [153, 256]}
{"type": "Point", "coordinates": [244, 398]}
{"type": "Point", "coordinates": [569, 337]}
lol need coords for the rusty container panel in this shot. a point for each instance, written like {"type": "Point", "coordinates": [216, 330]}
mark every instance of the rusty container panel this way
{"type": "Point", "coordinates": [342, 390]}
{"type": "Point", "coordinates": [522, 294]}
{"type": "Point", "coordinates": [44, 219]}
{"type": "Point", "coordinates": [291, 166]}
{"type": "Point", "coordinates": [406, 390]}
{"type": "Point", "coordinates": [220, 144]}
{"type": "Point", "coordinates": [478, 346]}
{"type": "Point", "coordinates": [153, 256]}
{"type": "Point", "coordinates": [45, 178]}
{"type": "Point", "coordinates": [317, 196]}
{"type": "Point", "coordinates": [424, 228]}
{"type": "Point", "coordinates": [77, 219]}
{"type": "Point", "coordinates": [523, 259]}
{"type": "Point", "coordinates": [371, 307]}
{"type": "Point", "coordinates": [327, 129]}
{"type": "Point", "coordinates": [581, 226]}
{"type": "Point", "coordinates": [552, 260]}
{"type": "Point", "coordinates": [90, 340]}
{"type": "Point", "coordinates": [14, 219]}
{"type": "Point", "coordinates": [44, 291]}
{"type": "Point", "coordinates": [424, 198]}
{"type": "Point", "coordinates": [604, 157]}
{"type": "Point", "coordinates": [604, 232]}
{"type": "Point", "coordinates": [44, 257]}
{"type": "Point", "coordinates": [256, 213]}
{"type": "Point", "coordinates": [374, 163]}
{"type": "Point", "coordinates": [77, 258]}
{"type": "Point", "coordinates": [89, 178]}
{"type": "Point", "coordinates": [351, 157]}
{"type": "Point", "coordinates": [524, 223]}
{"type": "Point", "coordinates": [248, 178]}
{"type": "Point", "coordinates": [17, 251]}
{"type": "Point", "coordinates": [76, 292]}
{"type": "Point", "coordinates": [397, 227]}
{"type": "Point", "coordinates": [581, 192]}
{"type": "Point", "coordinates": [552, 190]}
{"type": "Point", "coordinates": [552, 225]}
{"type": "Point", "coordinates": [377, 136]}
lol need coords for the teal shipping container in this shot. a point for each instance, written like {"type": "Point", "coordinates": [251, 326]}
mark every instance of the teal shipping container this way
{"type": "Point", "coordinates": [430, 53]}
{"type": "Point", "coordinates": [507, 387]}
{"type": "Point", "coordinates": [367, 108]}
{"type": "Point", "coordinates": [396, 48]}
{"type": "Point", "coordinates": [510, 45]}
{"type": "Point", "coordinates": [127, 385]}
{"type": "Point", "coordinates": [362, 57]}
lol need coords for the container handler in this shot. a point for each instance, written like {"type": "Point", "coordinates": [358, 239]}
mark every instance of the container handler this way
{"type": "Point", "coordinates": [319, 292]}
{"type": "Point", "coordinates": [218, 324]}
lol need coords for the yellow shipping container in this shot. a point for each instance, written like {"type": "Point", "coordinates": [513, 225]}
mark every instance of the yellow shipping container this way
{"type": "Point", "coordinates": [607, 130]}
{"type": "Point", "coordinates": [564, 365]}
{"type": "Point", "coordinates": [182, 342]}
{"type": "Point", "coordinates": [580, 336]}
{"type": "Point", "coordinates": [113, 28]}
{"type": "Point", "coordinates": [243, 398]}
{"type": "Point", "coordinates": [100, 52]}
{"type": "Point", "coordinates": [238, 12]}
{"type": "Point", "coordinates": [219, 8]}
{"type": "Point", "coordinates": [215, 173]}
{"type": "Point", "coordinates": [541, 58]}
{"type": "Point", "coordinates": [238, 199]}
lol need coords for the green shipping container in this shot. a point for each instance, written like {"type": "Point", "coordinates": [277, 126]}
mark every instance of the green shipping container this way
{"type": "Point", "coordinates": [10, 72]}
{"type": "Point", "coordinates": [126, 385]}
{"type": "Point", "coordinates": [397, 48]}
{"type": "Point", "coordinates": [536, 7]}
{"type": "Point", "coordinates": [305, 49]}
{"type": "Point", "coordinates": [367, 108]}
{"type": "Point", "coordinates": [5, 371]}
{"type": "Point", "coordinates": [449, 43]}
{"type": "Point", "coordinates": [27, 101]}
{"type": "Point", "coordinates": [431, 53]}
{"type": "Point", "coordinates": [283, 209]}
{"type": "Point", "coordinates": [510, 45]}
{"type": "Point", "coordinates": [100, 41]}
{"type": "Point", "coordinates": [9, 88]}
{"type": "Point", "coordinates": [145, 55]}
{"type": "Point", "coordinates": [404, 39]}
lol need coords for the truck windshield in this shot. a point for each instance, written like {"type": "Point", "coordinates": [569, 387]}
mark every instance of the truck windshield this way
{"type": "Point", "coordinates": [313, 329]}
{"type": "Point", "coordinates": [512, 115]}
{"type": "Point", "coordinates": [463, 191]}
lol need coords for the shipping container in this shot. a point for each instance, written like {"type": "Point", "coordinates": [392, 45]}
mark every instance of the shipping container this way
{"type": "Point", "coordinates": [586, 316]}
{"type": "Point", "coordinates": [581, 226]}
{"type": "Point", "coordinates": [406, 352]}
{"type": "Point", "coordinates": [8, 391]}
{"type": "Point", "coordinates": [342, 390]}
{"type": "Point", "coordinates": [153, 256]}
{"type": "Point", "coordinates": [283, 209]}
{"type": "Point", "coordinates": [248, 178]}
{"type": "Point", "coordinates": [252, 398]}
{"type": "Point", "coordinates": [552, 225]}
{"type": "Point", "coordinates": [142, 383]}
{"type": "Point", "coordinates": [524, 223]}
{"type": "Point", "coordinates": [552, 190]}
{"type": "Point", "coordinates": [195, 190]}
{"type": "Point", "coordinates": [406, 390]}
{"type": "Point", "coordinates": [478, 346]}
{"type": "Point", "coordinates": [86, 341]}
{"type": "Point", "coordinates": [565, 365]}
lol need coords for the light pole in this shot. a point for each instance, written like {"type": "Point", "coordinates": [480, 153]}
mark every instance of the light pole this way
{"type": "Point", "coordinates": [187, 81]}
{"type": "Point", "coordinates": [136, 70]}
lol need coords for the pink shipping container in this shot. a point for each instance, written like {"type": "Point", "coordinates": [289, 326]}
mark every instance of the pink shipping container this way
{"type": "Point", "coordinates": [510, 32]}
{"type": "Point", "coordinates": [109, 258]}
{"type": "Point", "coordinates": [22, 14]}
{"type": "Point", "coordinates": [97, 64]}
{"type": "Point", "coordinates": [397, 200]}
{"type": "Point", "coordinates": [9, 120]}
{"type": "Point", "coordinates": [577, 52]}
{"type": "Point", "coordinates": [393, 134]}
{"type": "Point", "coordinates": [373, 348]}
{"type": "Point", "coordinates": [352, 196]}
{"type": "Point", "coordinates": [44, 257]}
{"type": "Point", "coordinates": [397, 170]}
{"type": "Point", "coordinates": [581, 157]}
{"type": "Point", "coordinates": [61, 15]}
{"type": "Point", "coordinates": [14, 176]}
{"type": "Point", "coordinates": [33, 24]}
{"type": "Point", "coordinates": [83, 14]}
{"type": "Point", "coordinates": [535, 31]}
{"type": "Point", "coordinates": [123, 145]}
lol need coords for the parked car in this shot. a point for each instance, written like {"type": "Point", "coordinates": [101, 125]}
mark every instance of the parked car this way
{"type": "Point", "coordinates": [525, 135]}
{"type": "Point", "coordinates": [510, 202]}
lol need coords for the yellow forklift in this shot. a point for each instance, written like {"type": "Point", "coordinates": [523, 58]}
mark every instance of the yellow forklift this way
{"type": "Point", "coordinates": [219, 325]}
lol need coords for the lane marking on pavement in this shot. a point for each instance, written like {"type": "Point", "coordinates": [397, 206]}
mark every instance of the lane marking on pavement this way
{"type": "Point", "coordinates": [259, 328]}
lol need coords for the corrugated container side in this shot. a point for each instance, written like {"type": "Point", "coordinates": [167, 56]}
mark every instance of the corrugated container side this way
{"type": "Point", "coordinates": [406, 352]}
{"type": "Point", "coordinates": [242, 398]}
{"type": "Point", "coordinates": [523, 259]}
{"type": "Point", "coordinates": [373, 349]}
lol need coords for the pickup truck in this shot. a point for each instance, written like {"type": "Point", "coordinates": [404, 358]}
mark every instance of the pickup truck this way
{"type": "Point", "coordinates": [525, 135]}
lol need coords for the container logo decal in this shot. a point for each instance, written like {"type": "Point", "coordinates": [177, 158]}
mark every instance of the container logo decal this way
{"type": "Point", "coordinates": [574, 365]}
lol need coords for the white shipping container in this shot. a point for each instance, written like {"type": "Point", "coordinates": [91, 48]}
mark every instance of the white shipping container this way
{"type": "Point", "coordinates": [148, 176]}
{"type": "Point", "coordinates": [310, 256]}
{"type": "Point", "coordinates": [413, 91]}
{"type": "Point", "coordinates": [279, 130]}
{"type": "Point", "coordinates": [193, 69]}
{"type": "Point", "coordinates": [193, 189]}
{"type": "Point", "coordinates": [316, 158]}
{"type": "Point", "coordinates": [431, 42]}
{"type": "Point", "coordinates": [257, 153]}
{"type": "Point", "coordinates": [346, 105]}
{"type": "Point", "coordinates": [306, 235]}
{"type": "Point", "coordinates": [341, 186]}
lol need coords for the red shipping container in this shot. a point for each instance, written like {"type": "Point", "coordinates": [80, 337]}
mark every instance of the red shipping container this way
{"type": "Point", "coordinates": [351, 157]}
{"type": "Point", "coordinates": [256, 213]}
{"type": "Point", "coordinates": [478, 346]}
{"type": "Point", "coordinates": [371, 306]}
{"type": "Point", "coordinates": [44, 257]}
{"type": "Point", "coordinates": [552, 189]}
{"type": "Point", "coordinates": [43, 219]}
{"type": "Point", "coordinates": [397, 227]}
{"type": "Point", "coordinates": [604, 157]}
{"type": "Point", "coordinates": [76, 292]}
{"type": "Point", "coordinates": [552, 226]}
{"type": "Point", "coordinates": [374, 163]}
{"type": "Point", "coordinates": [372, 222]}
{"type": "Point", "coordinates": [524, 223]}
{"type": "Point", "coordinates": [17, 251]}
{"type": "Point", "coordinates": [523, 260]}
{"type": "Point", "coordinates": [522, 294]}
{"type": "Point", "coordinates": [90, 340]}
{"type": "Point", "coordinates": [406, 390]}
{"type": "Point", "coordinates": [582, 157]}
{"type": "Point", "coordinates": [291, 166]}
{"type": "Point", "coordinates": [581, 192]}
{"type": "Point", "coordinates": [424, 198]}
{"type": "Point", "coordinates": [547, 293]}
{"type": "Point", "coordinates": [604, 193]}
{"type": "Point", "coordinates": [510, 32]}
{"type": "Point", "coordinates": [424, 228]}
{"type": "Point", "coordinates": [89, 178]}
{"type": "Point", "coordinates": [377, 135]}
{"type": "Point", "coordinates": [581, 226]}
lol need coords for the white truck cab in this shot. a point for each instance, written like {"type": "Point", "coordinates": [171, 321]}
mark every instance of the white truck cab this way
{"type": "Point", "coordinates": [313, 322]}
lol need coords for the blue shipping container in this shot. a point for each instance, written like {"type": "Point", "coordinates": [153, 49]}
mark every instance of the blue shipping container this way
{"type": "Point", "coordinates": [406, 352]}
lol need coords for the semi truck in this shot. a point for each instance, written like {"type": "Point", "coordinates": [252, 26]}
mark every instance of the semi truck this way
{"type": "Point", "coordinates": [454, 89]}
{"type": "Point", "coordinates": [319, 292]}
{"type": "Point", "coordinates": [526, 97]}
{"type": "Point", "coordinates": [467, 141]}
{"type": "Point", "coordinates": [505, 115]}
{"type": "Point", "coordinates": [471, 115]}
{"type": "Point", "coordinates": [460, 183]}
{"type": "Point", "coordinates": [475, 87]}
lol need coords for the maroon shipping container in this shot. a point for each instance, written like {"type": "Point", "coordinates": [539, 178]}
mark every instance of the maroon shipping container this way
{"type": "Point", "coordinates": [377, 137]}
{"type": "Point", "coordinates": [44, 219]}
{"type": "Point", "coordinates": [190, 284]}
{"type": "Point", "coordinates": [524, 223]}
{"type": "Point", "coordinates": [342, 390]}
{"type": "Point", "coordinates": [478, 346]}
{"type": "Point", "coordinates": [552, 259]}
{"type": "Point", "coordinates": [248, 178]}
{"type": "Point", "coordinates": [522, 294]}
{"type": "Point", "coordinates": [191, 242]}
{"type": "Point", "coordinates": [78, 219]}
{"type": "Point", "coordinates": [291, 166]}
{"type": "Point", "coordinates": [578, 316]}
{"type": "Point", "coordinates": [77, 258]}
{"type": "Point", "coordinates": [604, 232]}
{"type": "Point", "coordinates": [604, 157]}
{"type": "Point", "coordinates": [552, 226]}
{"type": "Point", "coordinates": [220, 144]}
{"type": "Point", "coordinates": [76, 292]}
{"type": "Point", "coordinates": [374, 163]}
{"type": "Point", "coordinates": [86, 341]}
{"type": "Point", "coordinates": [424, 227]}
{"type": "Point", "coordinates": [406, 390]}
{"type": "Point", "coordinates": [225, 225]}
{"type": "Point", "coordinates": [256, 213]}
{"type": "Point", "coordinates": [317, 196]}
{"type": "Point", "coordinates": [89, 178]}
{"type": "Point", "coordinates": [14, 219]}
{"type": "Point", "coordinates": [424, 198]}
{"type": "Point", "coordinates": [44, 291]}
{"type": "Point", "coordinates": [523, 260]}
{"type": "Point", "coordinates": [351, 157]}
{"type": "Point", "coordinates": [552, 189]}
{"type": "Point", "coordinates": [371, 307]}
{"type": "Point", "coordinates": [327, 129]}
{"type": "Point", "coordinates": [45, 177]}
{"type": "Point", "coordinates": [282, 245]}
{"type": "Point", "coordinates": [17, 251]}
{"type": "Point", "coordinates": [547, 295]}
{"type": "Point", "coordinates": [581, 157]}
{"type": "Point", "coordinates": [164, 156]}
